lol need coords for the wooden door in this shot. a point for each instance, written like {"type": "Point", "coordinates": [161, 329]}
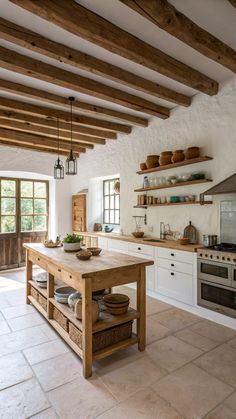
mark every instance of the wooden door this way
{"type": "Point", "coordinates": [23, 218]}
{"type": "Point", "coordinates": [79, 212]}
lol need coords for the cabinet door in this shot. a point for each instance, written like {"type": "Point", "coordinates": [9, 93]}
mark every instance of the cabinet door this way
{"type": "Point", "coordinates": [150, 271]}
{"type": "Point", "coordinates": [117, 245]}
{"type": "Point", "coordinates": [175, 285]}
{"type": "Point", "coordinates": [79, 212]}
{"type": "Point", "coordinates": [102, 242]}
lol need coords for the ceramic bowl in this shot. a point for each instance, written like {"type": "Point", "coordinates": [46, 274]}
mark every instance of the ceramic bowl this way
{"type": "Point", "coordinates": [64, 292]}
{"type": "Point", "coordinates": [73, 298]}
{"type": "Point", "coordinates": [71, 247]}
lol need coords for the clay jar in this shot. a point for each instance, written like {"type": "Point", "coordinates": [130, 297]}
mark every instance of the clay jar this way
{"type": "Point", "coordinates": [95, 310]}
{"type": "Point", "coordinates": [192, 153]}
{"type": "Point", "coordinates": [152, 161]}
{"type": "Point", "coordinates": [165, 158]}
{"type": "Point", "coordinates": [178, 155]}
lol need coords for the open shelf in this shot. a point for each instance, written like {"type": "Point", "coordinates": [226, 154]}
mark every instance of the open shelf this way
{"type": "Point", "coordinates": [106, 320]}
{"type": "Point", "coordinates": [190, 182]}
{"type": "Point", "coordinates": [42, 291]}
{"type": "Point", "coordinates": [174, 203]}
{"type": "Point", "coordinates": [38, 306]}
{"type": "Point", "coordinates": [116, 347]}
{"type": "Point", "coordinates": [173, 165]}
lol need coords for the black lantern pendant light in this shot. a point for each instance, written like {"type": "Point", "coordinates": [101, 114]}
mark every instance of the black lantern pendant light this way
{"type": "Point", "coordinates": [71, 161]}
{"type": "Point", "coordinates": [58, 167]}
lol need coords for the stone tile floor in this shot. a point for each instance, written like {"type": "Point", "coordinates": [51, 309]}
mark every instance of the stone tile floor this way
{"type": "Point", "coordinates": [187, 371]}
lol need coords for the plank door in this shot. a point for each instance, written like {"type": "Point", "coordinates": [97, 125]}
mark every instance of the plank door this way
{"type": "Point", "coordinates": [79, 212]}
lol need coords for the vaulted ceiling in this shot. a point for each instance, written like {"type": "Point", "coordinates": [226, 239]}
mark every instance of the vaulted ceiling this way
{"type": "Point", "coordinates": [124, 61]}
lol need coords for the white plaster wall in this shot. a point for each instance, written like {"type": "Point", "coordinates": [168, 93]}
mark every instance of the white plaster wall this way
{"type": "Point", "coordinates": [16, 162]}
{"type": "Point", "coordinates": [210, 122]}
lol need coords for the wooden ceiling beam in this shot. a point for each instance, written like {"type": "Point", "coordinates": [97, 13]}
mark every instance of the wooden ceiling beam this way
{"type": "Point", "coordinates": [233, 2]}
{"type": "Point", "coordinates": [82, 22]}
{"type": "Point", "coordinates": [13, 61]}
{"type": "Point", "coordinates": [37, 43]}
{"type": "Point", "coordinates": [14, 144]}
{"type": "Point", "coordinates": [37, 140]}
{"type": "Point", "coordinates": [52, 123]}
{"type": "Point", "coordinates": [24, 107]}
{"type": "Point", "coordinates": [168, 18]}
{"type": "Point", "coordinates": [80, 140]}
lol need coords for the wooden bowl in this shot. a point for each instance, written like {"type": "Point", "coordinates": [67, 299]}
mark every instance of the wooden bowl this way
{"type": "Point", "coordinates": [115, 298]}
{"type": "Point", "coordinates": [94, 250]}
{"type": "Point", "coordinates": [117, 311]}
{"type": "Point", "coordinates": [83, 255]}
{"type": "Point", "coordinates": [183, 241]}
{"type": "Point", "coordinates": [117, 305]}
{"type": "Point", "coordinates": [138, 234]}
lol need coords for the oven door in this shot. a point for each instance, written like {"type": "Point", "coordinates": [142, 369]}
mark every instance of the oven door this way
{"type": "Point", "coordinates": [234, 277]}
{"type": "Point", "coordinates": [217, 272]}
{"type": "Point", "coordinates": [217, 298]}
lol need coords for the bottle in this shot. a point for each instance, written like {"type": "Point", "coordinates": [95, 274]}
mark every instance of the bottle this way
{"type": "Point", "coordinates": [190, 232]}
{"type": "Point", "coordinates": [145, 182]}
{"type": "Point", "coordinates": [162, 230]}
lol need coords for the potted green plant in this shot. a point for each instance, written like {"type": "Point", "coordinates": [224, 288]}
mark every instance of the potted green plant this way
{"type": "Point", "coordinates": [71, 242]}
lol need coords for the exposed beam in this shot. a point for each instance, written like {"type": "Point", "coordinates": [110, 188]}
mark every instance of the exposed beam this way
{"type": "Point", "coordinates": [233, 2]}
{"type": "Point", "coordinates": [14, 144]}
{"type": "Point", "coordinates": [37, 140]}
{"type": "Point", "coordinates": [50, 132]}
{"type": "Point", "coordinates": [80, 21]}
{"type": "Point", "coordinates": [35, 42]}
{"type": "Point", "coordinates": [37, 110]}
{"type": "Point", "coordinates": [51, 123]}
{"type": "Point", "coordinates": [12, 60]}
{"type": "Point", "coordinates": [168, 18]}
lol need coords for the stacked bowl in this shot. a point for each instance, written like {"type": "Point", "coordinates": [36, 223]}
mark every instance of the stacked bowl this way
{"type": "Point", "coordinates": [116, 304]}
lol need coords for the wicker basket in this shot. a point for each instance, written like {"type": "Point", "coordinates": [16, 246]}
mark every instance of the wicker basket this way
{"type": "Point", "coordinates": [60, 318]}
{"type": "Point", "coordinates": [75, 335]}
{"type": "Point", "coordinates": [34, 293]}
{"type": "Point", "coordinates": [42, 301]}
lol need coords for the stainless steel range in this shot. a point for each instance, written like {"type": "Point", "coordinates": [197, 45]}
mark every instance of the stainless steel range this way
{"type": "Point", "coordinates": [217, 278]}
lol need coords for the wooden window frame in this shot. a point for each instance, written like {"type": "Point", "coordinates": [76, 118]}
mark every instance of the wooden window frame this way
{"type": "Point", "coordinates": [109, 209]}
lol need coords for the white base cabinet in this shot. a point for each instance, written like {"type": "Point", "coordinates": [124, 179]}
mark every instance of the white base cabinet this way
{"type": "Point", "coordinates": [175, 285]}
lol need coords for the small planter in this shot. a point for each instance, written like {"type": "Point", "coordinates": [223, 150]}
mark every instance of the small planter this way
{"type": "Point", "coordinates": [71, 247]}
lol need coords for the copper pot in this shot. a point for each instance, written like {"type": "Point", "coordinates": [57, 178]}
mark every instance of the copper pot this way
{"type": "Point", "coordinates": [192, 152]}
{"type": "Point", "coordinates": [152, 161]}
{"type": "Point", "coordinates": [165, 158]}
{"type": "Point", "coordinates": [178, 155]}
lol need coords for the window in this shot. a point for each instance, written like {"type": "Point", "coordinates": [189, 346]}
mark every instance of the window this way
{"type": "Point", "coordinates": [8, 206]}
{"type": "Point", "coordinates": [111, 201]}
{"type": "Point", "coordinates": [33, 205]}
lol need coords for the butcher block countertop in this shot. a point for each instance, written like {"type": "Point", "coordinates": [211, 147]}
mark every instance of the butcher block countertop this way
{"type": "Point", "coordinates": [172, 244]}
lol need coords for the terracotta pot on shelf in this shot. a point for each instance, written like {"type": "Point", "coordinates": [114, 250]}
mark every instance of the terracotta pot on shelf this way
{"type": "Point", "coordinates": [165, 158]}
{"type": "Point", "coordinates": [178, 155]}
{"type": "Point", "coordinates": [192, 153]}
{"type": "Point", "coordinates": [143, 166]}
{"type": "Point", "coordinates": [152, 161]}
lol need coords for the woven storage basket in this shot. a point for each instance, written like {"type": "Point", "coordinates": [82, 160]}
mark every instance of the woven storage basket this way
{"type": "Point", "coordinates": [75, 335]}
{"type": "Point", "coordinates": [111, 336]}
{"type": "Point", "coordinates": [42, 301]}
{"type": "Point", "coordinates": [60, 318]}
{"type": "Point", "coordinates": [34, 293]}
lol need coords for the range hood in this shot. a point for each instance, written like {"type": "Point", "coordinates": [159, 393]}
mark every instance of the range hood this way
{"type": "Point", "coordinates": [226, 186]}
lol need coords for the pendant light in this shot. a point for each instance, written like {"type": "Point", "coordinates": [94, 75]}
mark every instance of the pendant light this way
{"type": "Point", "coordinates": [71, 161]}
{"type": "Point", "coordinates": [58, 167]}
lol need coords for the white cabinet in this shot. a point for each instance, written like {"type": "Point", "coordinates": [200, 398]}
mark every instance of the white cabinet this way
{"type": "Point", "coordinates": [102, 242]}
{"type": "Point", "coordinates": [175, 285]}
{"type": "Point", "coordinates": [175, 265]}
{"type": "Point", "coordinates": [150, 271]}
{"type": "Point", "coordinates": [117, 245]}
{"type": "Point", "coordinates": [141, 249]}
{"type": "Point", "coordinates": [173, 254]}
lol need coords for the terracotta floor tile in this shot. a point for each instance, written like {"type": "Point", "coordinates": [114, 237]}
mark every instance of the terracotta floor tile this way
{"type": "Point", "coordinates": [192, 391]}
{"type": "Point", "coordinates": [154, 331]}
{"type": "Point", "coordinates": [226, 410]}
{"type": "Point", "coordinates": [13, 370]}
{"type": "Point", "coordinates": [129, 379]}
{"type": "Point", "coordinates": [57, 371]}
{"type": "Point", "coordinates": [144, 404]}
{"type": "Point", "coordinates": [17, 311]}
{"type": "Point", "coordinates": [23, 322]}
{"type": "Point", "coordinates": [46, 414]}
{"type": "Point", "coordinates": [22, 400]}
{"type": "Point", "coordinates": [201, 342]}
{"type": "Point", "coordinates": [4, 328]}
{"type": "Point", "coordinates": [45, 351]}
{"type": "Point", "coordinates": [175, 319]}
{"type": "Point", "coordinates": [213, 331]}
{"type": "Point", "coordinates": [117, 360]}
{"type": "Point", "coordinates": [171, 353]}
{"type": "Point", "coordinates": [22, 339]}
{"type": "Point", "coordinates": [48, 330]}
{"type": "Point", "coordinates": [81, 399]}
{"type": "Point", "coordinates": [220, 362]}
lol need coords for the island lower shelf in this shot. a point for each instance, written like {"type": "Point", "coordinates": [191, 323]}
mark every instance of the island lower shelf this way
{"type": "Point", "coordinates": [110, 333]}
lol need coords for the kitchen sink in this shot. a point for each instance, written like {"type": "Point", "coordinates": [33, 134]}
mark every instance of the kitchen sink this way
{"type": "Point", "coordinates": [153, 240]}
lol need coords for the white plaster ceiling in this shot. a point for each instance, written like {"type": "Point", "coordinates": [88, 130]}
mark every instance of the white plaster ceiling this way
{"type": "Point", "coordinates": [216, 16]}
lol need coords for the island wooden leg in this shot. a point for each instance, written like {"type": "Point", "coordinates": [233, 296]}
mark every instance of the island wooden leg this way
{"type": "Point", "coordinates": [141, 307]}
{"type": "Point", "coordinates": [50, 294]}
{"type": "Point", "coordinates": [87, 327]}
{"type": "Point", "coordinates": [29, 273]}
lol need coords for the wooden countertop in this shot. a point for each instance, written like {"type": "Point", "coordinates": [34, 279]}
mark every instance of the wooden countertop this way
{"type": "Point", "coordinates": [106, 261]}
{"type": "Point", "coordinates": [172, 244]}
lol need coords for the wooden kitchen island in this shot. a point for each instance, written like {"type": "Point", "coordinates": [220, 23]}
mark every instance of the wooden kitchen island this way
{"type": "Point", "coordinates": [100, 272]}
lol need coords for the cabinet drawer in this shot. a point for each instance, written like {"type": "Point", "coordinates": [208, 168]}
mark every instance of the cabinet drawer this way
{"type": "Point", "coordinates": [38, 260]}
{"type": "Point", "coordinates": [175, 265]}
{"type": "Point", "coordinates": [117, 245]}
{"type": "Point", "coordinates": [175, 285]}
{"type": "Point", "coordinates": [55, 271]}
{"type": "Point", "coordinates": [141, 249]}
{"type": "Point", "coordinates": [173, 254]}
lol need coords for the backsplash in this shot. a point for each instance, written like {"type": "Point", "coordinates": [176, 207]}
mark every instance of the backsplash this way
{"type": "Point", "coordinates": [228, 221]}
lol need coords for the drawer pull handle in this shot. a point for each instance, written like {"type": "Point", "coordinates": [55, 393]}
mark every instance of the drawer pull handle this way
{"type": "Point", "coordinates": [139, 248]}
{"type": "Point", "coordinates": [172, 254]}
{"type": "Point", "coordinates": [59, 270]}
{"type": "Point", "coordinates": [70, 276]}
{"type": "Point", "coordinates": [172, 273]}
{"type": "Point", "coordinates": [38, 258]}
{"type": "Point", "coordinates": [172, 264]}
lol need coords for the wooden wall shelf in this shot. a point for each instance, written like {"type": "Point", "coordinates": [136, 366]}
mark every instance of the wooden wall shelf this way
{"type": "Point", "coordinates": [174, 203]}
{"type": "Point", "coordinates": [192, 182]}
{"type": "Point", "coordinates": [173, 165]}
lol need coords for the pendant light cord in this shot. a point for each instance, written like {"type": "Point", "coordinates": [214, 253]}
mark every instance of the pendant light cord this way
{"type": "Point", "coordinates": [58, 137]}
{"type": "Point", "coordinates": [71, 127]}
